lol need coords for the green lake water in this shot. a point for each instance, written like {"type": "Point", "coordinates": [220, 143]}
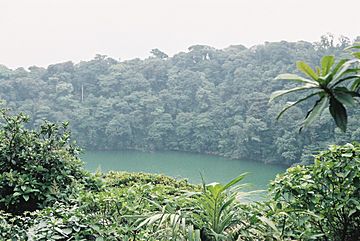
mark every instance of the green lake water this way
{"type": "Point", "coordinates": [183, 165]}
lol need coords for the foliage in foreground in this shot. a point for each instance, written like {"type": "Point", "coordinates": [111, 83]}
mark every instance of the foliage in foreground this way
{"type": "Point", "coordinates": [321, 200]}
{"type": "Point", "coordinates": [109, 208]}
{"type": "Point", "coordinates": [314, 202]}
{"type": "Point", "coordinates": [37, 167]}
{"type": "Point", "coordinates": [218, 208]}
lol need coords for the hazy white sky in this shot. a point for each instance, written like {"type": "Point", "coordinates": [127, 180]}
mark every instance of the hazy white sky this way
{"type": "Point", "coordinates": [42, 32]}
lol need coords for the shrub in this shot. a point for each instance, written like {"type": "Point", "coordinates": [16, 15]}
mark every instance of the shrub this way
{"type": "Point", "coordinates": [123, 179]}
{"type": "Point", "coordinates": [322, 200]}
{"type": "Point", "coordinates": [37, 167]}
{"type": "Point", "coordinates": [58, 222]}
{"type": "Point", "coordinates": [104, 210]}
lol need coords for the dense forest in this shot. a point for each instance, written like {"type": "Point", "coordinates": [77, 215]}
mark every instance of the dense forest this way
{"type": "Point", "coordinates": [205, 100]}
{"type": "Point", "coordinates": [46, 194]}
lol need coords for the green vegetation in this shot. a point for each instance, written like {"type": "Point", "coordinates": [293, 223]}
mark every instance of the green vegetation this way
{"type": "Point", "coordinates": [322, 199]}
{"type": "Point", "coordinates": [217, 209]}
{"type": "Point", "coordinates": [328, 84]}
{"type": "Point", "coordinates": [205, 100]}
{"type": "Point", "coordinates": [36, 167]}
{"type": "Point", "coordinates": [46, 194]}
{"type": "Point", "coordinates": [314, 202]}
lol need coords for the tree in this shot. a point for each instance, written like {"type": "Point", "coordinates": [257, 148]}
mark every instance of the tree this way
{"type": "Point", "coordinates": [159, 54]}
{"type": "Point", "coordinates": [328, 83]}
{"type": "Point", "coordinates": [229, 88]}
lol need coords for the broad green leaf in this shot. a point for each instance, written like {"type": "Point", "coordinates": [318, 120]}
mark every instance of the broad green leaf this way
{"type": "Point", "coordinates": [76, 228]}
{"type": "Point", "coordinates": [306, 69]}
{"type": "Point", "coordinates": [56, 237]}
{"type": "Point", "coordinates": [344, 69]}
{"type": "Point", "coordinates": [355, 85]}
{"type": "Point", "coordinates": [26, 197]}
{"type": "Point", "coordinates": [347, 77]}
{"type": "Point", "coordinates": [325, 80]}
{"type": "Point", "coordinates": [95, 227]}
{"type": "Point", "coordinates": [347, 154]}
{"type": "Point", "coordinates": [59, 231]}
{"type": "Point", "coordinates": [296, 78]}
{"type": "Point", "coordinates": [315, 111]}
{"type": "Point", "coordinates": [226, 204]}
{"type": "Point", "coordinates": [190, 232]}
{"type": "Point", "coordinates": [338, 112]}
{"type": "Point", "coordinates": [355, 46]}
{"type": "Point", "coordinates": [343, 95]}
{"type": "Point", "coordinates": [67, 231]}
{"type": "Point", "coordinates": [352, 212]}
{"type": "Point", "coordinates": [235, 181]}
{"type": "Point", "coordinates": [316, 236]}
{"type": "Point", "coordinates": [292, 104]}
{"type": "Point", "coordinates": [295, 103]}
{"type": "Point", "coordinates": [338, 65]}
{"type": "Point", "coordinates": [356, 55]}
{"type": "Point", "coordinates": [279, 93]}
{"type": "Point", "coordinates": [269, 223]}
{"type": "Point", "coordinates": [326, 64]}
{"type": "Point", "coordinates": [197, 235]}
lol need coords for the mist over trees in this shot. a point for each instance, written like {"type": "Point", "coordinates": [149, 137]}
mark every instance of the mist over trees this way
{"type": "Point", "coordinates": [205, 100]}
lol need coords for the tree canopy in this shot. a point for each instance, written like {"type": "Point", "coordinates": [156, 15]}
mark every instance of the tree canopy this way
{"type": "Point", "coordinates": [205, 100]}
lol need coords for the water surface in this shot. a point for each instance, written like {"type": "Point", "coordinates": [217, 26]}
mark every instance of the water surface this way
{"type": "Point", "coordinates": [182, 165]}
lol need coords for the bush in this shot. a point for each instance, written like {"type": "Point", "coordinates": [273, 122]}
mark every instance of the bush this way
{"type": "Point", "coordinates": [127, 199]}
{"type": "Point", "coordinates": [36, 167]}
{"type": "Point", "coordinates": [321, 201]}
{"type": "Point", "coordinates": [123, 179]}
{"type": "Point", "coordinates": [58, 222]}
{"type": "Point", "coordinates": [104, 211]}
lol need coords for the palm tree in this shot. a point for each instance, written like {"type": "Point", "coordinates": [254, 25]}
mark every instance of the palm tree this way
{"type": "Point", "coordinates": [329, 83]}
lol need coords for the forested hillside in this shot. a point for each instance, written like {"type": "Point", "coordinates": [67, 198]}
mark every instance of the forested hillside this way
{"type": "Point", "coordinates": [205, 100]}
